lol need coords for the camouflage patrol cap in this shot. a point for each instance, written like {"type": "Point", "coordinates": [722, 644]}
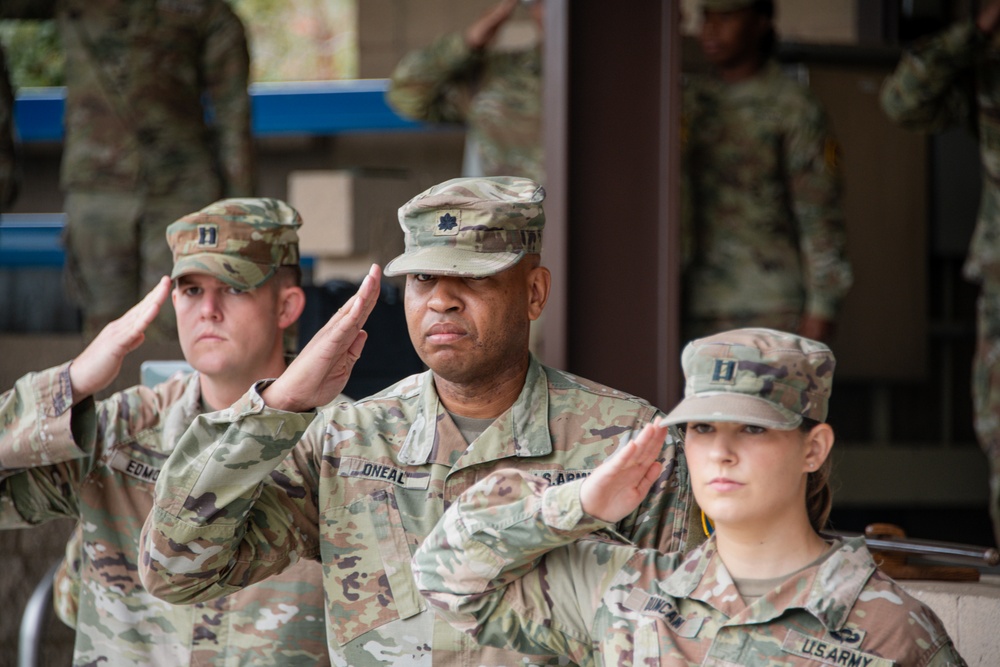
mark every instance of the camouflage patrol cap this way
{"type": "Point", "coordinates": [242, 242]}
{"type": "Point", "coordinates": [755, 376]}
{"type": "Point", "coordinates": [471, 227]}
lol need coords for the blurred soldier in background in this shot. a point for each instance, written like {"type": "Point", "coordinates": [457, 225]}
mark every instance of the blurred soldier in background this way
{"type": "Point", "coordinates": [954, 79]}
{"type": "Point", "coordinates": [764, 238]}
{"type": "Point", "coordinates": [489, 82]}
{"type": "Point", "coordinates": [8, 161]}
{"type": "Point", "coordinates": [139, 153]}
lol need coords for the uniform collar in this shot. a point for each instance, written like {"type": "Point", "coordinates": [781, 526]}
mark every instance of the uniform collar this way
{"type": "Point", "coordinates": [828, 591]}
{"type": "Point", "coordinates": [522, 430]}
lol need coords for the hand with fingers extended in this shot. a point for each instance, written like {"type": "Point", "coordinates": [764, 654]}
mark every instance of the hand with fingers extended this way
{"type": "Point", "coordinates": [324, 366]}
{"type": "Point", "coordinates": [618, 485]}
{"type": "Point", "coordinates": [100, 363]}
{"type": "Point", "coordinates": [485, 28]}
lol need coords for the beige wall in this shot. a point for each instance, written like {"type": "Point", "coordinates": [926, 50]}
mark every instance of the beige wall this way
{"type": "Point", "coordinates": [970, 613]}
{"type": "Point", "coordinates": [388, 29]}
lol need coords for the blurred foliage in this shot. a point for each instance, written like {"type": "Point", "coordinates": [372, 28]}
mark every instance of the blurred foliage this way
{"type": "Point", "coordinates": [301, 40]}
{"type": "Point", "coordinates": [290, 40]}
{"type": "Point", "coordinates": [34, 56]}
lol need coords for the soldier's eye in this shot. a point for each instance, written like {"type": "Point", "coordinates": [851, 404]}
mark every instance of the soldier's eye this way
{"type": "Point", "coordinates": [422, 277]}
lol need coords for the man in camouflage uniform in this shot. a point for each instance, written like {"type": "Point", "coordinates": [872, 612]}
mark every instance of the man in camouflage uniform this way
{"type": "Point", "coordinates": [763, 236]}
{"type": "Point", "coordinates": [954, 79]}
{"type": "Point", "coordinates": [365, 482]}
{"type": "Point", "coordinates": [495, 90]}
{"type": "Point", "coordinates": [63, 454]}
{"type": "Point", "coordinates": [138, 152]}
{"type": "Point", "coordinates": [8, 163]}
{"type": "Point", "coordinates": [513, 562]}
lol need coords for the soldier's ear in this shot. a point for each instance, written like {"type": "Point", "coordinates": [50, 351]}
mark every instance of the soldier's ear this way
{"type": "Point", "coordinates": [539, 283]}
{"type": "Point", "coordinates": [819, 442]}
{"type": "Point", "coordinates": [291, 303]}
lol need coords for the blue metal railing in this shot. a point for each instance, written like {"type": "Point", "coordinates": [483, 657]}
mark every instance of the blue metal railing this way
{"type": "Point", "coordinates": [315, 107]}
{"type": "Point", "coordinates": [31, 239]}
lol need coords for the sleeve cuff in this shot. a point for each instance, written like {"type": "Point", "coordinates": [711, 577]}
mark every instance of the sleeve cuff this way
{"type": "Point", "coordinates": [453, 50]}
{"type": "Point", "coordinates": [249, 404]}
{"type": "Point", "coordinates": [563, 511]}
{"type": "Point", "coordinates": [55, 435]}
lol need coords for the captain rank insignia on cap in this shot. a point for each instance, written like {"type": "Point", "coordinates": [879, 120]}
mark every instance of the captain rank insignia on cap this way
{"type": "Point", "coordinates": [724, 372]}
{"type": "Point", "coordinates": [208, 235]}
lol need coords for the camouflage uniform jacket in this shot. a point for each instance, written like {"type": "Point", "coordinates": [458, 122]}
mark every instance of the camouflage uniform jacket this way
{"type": "Point", "coordinates": [496, 94]}
{"type": "Point", "coordinates": [504, 566]}
{"type": "Point", "coordinates": [136, 71]}
{"type": "Point", "coordinates": [763, 226]}
{"type": "Point", "coordinates": [97, 463]}
{"type": "Point", "coordinates": [365, 483]}
{"type": "Point", "coordinates": [954, 79]}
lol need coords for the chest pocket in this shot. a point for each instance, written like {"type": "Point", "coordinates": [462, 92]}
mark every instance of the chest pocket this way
{"type": "Point", "coordinates": [366, 567]}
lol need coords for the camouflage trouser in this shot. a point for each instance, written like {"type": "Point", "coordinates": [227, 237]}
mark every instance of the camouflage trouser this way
{"type": "Point", "coordinates": [986, 391]}
{"type": "Point", "coordinates": [116, 251]}
{"type": "Point", "coordinates": [700, 327]}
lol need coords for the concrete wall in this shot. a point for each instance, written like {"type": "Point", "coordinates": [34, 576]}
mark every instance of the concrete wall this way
{"type": "Point", "coordinates": [970, 613]}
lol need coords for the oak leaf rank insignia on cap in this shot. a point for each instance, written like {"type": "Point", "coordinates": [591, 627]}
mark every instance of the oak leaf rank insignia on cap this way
{"type": "Point", "coordinates": [447, 225]}
{"type": "Point", "coordinates": [471, 227]}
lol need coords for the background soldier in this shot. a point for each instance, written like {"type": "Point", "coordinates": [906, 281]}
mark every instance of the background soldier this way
{"type": "Point", "coordinates": [493, 89]}
{"type": "Point", "coordinates": [384, 468]}
{"type": "Point", "coordinates": [8, 161]}
{"type": "Point", "coordinates": [138, 153]}
{"type": "Point", "coordinates": [764, 236]}
{"type": "Point", "coordinates": [63, 454]}
{"type": "Point", "coordinates": [954, 79]}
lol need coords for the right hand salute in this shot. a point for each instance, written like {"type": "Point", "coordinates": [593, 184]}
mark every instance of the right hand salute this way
{"type": "Point", "coordinates": [101, 362]}
{"type": "Point", "coordinates": [618, 485]}
{"type": "Point", "coordinates": [482, 32]}
{"type": "Point", "coordinates": [322, 369]}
